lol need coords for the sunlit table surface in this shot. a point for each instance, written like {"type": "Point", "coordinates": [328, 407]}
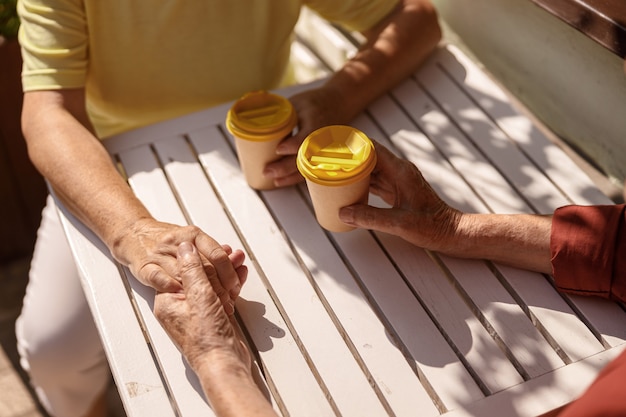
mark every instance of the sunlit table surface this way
{"type": "Point", "coordinates": [363, 323]}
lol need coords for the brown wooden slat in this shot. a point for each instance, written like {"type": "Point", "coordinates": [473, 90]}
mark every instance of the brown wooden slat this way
{"type": "Point", "coordinates": [602, 20]}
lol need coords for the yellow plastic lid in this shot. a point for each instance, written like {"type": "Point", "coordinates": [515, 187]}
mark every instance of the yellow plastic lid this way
{"type": "Point", "coordinates": [336, 155]}
{"type": "Point", "coordinates": [260, 115]}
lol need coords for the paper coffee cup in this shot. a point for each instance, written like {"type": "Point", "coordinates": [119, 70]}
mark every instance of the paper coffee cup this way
{"type": "Point", "coordinates": [336, 162]}
{"type": "Point", "coordinates": [259, 121]}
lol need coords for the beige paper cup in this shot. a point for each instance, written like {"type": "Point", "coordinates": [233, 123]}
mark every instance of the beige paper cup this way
{"type": "Point", "coordinates": [259, 121]}
{"type": "Point", "coordinates": [336, 162]}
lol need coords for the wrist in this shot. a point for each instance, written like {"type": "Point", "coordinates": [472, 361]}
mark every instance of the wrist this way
{"type": "Point", "coordinates": [447, 229]}
{"type": "Point", "coordinates": [230, 386]}
{"type": "Point", "coordinates": [465, 235]}
{"type": "Point", "coordinates": [346, 94]}
{"type": "Point", "coordinates": [121, 244]}
{"type": "Point", "coordinates": [218, 365]}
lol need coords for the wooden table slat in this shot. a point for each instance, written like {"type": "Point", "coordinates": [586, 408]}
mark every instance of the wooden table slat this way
{"type": "Point", "coordinates": [421, 338]}
{"type": "Point", "coordinates": [523, 175]}
{"type": "Point", "coordinates": [138, 379]}
{"type": "Point", "coordinates": [453, 315]}
{"type": "Point", "coordinates": [520, 127]}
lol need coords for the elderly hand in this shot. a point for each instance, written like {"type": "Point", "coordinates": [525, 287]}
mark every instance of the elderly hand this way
{"type": "Point", "coordinates": [204, 333]}
{"type": "Point", "coordinates": [195, 319]}
{"type": "Point", "coordinates": [316, 108]}
{"type": "Point", "coordinates": [150, 250]}
{"type": "Point", "coordinates": [417, 214]}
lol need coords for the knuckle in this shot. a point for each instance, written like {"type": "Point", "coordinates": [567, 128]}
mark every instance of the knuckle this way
{"type": "Point", "coordinates": [150, 273]}
{"type": "Point", "coordinates": [218, 256]}
{"type": "Point", "coordinates": [190, 266]}
{"type": "Point", "coordinates": [192, 230]}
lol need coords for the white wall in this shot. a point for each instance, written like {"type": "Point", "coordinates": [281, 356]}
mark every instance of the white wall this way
{"type": "Point", "coordinates": [575, 86]}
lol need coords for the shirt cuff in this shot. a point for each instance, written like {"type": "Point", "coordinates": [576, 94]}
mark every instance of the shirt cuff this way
{"type": "Point", "coordinates": [585, 245]}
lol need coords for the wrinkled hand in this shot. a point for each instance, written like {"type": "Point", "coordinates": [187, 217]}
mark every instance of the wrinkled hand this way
{"type": "Point", "coordinates": [417, 215]}
{"type": "Point", "coordinates": [316, 108]}
{"type": "Point", "coordinates": [150, 249]}
{"type": "Point", "coordinates": [196, 320]}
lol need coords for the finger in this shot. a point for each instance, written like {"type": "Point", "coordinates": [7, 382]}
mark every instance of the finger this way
{"type": "Point", "coordinates": [201, 280]}
{"type": "Point", "coordinates": [283, 167]}
{"type": "Point", "coordinates": [386, 161]}
{"type": "Point", "coordinates": [190, 267]}
{"type": "Point", "coordinates": [368, 217]}
{"type": "Point", "coordinates": [201, 287]}
{"type": "Point", "coordinates": [220, 271]}
{"type": "Point", "coordinates": [242, 272]}
{"type": "Point", "coordinates": [290, 145]}
{"type": "Point", "coordinates": [383, 191]}
{"type": "Point", "coordinates": [227, 249]}
{"type": "Point", "coordinates": [293, 179]}
{"type": "Point", "coordinates": [156, 277]}
{"type": "Point", "coordinates": [237, 259]}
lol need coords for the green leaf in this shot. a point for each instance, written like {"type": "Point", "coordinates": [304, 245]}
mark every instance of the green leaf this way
{"type": "Point", "coordinates": [9, 21]}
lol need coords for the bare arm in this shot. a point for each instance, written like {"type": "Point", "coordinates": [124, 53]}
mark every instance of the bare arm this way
{"type": "Point", "coordinates": [62, 146]}
{"type": "Point", "coordinates": [64, 149]}
{"type": "Point", "coordinates": [419, 216]}
{"type": "Point", "coordinates": [520, 240]}
{"type": "Point", "coordinates": [393, 50]}
{"type": "Point", "coordinates": [196, 322]}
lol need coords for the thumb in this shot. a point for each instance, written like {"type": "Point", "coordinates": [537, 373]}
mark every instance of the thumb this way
{"type": "Point", "coordinates": [190, 266]}
{"type": "Point", "coordinates": [198, 286]}
{"type": "Point", "coordinates": [368, 217]}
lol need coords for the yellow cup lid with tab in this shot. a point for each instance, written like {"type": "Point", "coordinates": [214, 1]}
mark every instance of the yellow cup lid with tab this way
{"type": "Point", "coordinates": [260, 115]}
{"type": "Point", "coordinates": [336, 155]}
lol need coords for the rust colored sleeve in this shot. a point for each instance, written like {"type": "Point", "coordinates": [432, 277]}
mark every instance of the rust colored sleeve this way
{"type": "Point", "coordinates": [605, 396]}
{"type": "Point", "coordinates": [588, 249]}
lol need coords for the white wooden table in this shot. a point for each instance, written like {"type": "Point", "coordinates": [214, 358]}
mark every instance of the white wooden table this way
{"type": "Point", "coordinates": [362, 323]}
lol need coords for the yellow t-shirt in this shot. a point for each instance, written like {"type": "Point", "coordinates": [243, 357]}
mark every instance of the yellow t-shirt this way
{"type": "Point", "coordinates": [142, 61]}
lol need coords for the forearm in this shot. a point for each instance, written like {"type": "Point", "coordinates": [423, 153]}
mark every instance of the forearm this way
{"type": "Point", "coordinates": [394, 49]}
{"type": "Point", "coordinates": [230, 388]}
{"type": "Point", "coordinates": [520, 240]}
{"type": "Point", "coordinates": [80, 171]}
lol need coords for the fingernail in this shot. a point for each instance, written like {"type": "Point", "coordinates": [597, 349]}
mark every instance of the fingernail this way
{"type": "Point", "coordinates": [185, 248]}
{"type": "Point", "coordinates": [230, 307]}
{"type": "Point", "coordinates": [281, 150]}
{"type": "Point", "coordinates": [270, 173]}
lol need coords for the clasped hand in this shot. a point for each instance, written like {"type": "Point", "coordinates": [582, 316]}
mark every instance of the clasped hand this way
{"type": "Point", "coordinates": [417, 214]}
{"type": "Point", "coordinates": [316, 108]}
{"type": "Point", "coordinates": [150, 251]}
{"type": "Point", "coordinates": [194, 318]}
